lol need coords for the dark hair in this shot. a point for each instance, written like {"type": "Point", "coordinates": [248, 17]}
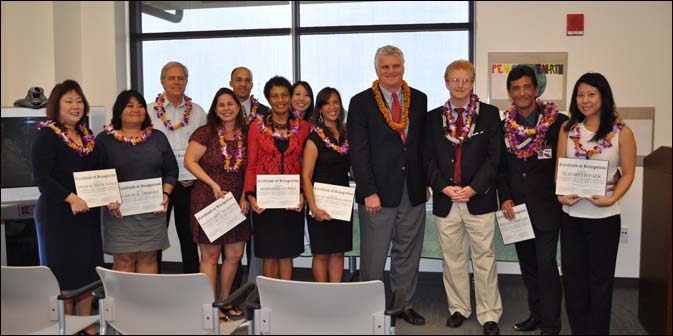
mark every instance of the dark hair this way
{"type": "Point", "coordinates": [54, 102]}
{"type": "Point", "coordinates": [213, 121]}
{"type": "Point", "coordinates": [122, 99]}
{"type": "Point", "coordinates": [321, 100]}
{"type": "Point", "coordinates": [308, 89]}
{"type": "Point", "coordinates": [276, 81]}
{"type": "Point", "coordinates": [608, 110]}
{"type": "Point", "coordinates": [519, 71]}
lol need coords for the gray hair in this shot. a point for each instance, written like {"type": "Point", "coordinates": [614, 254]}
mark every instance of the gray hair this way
{"type": "Point", "coordinates": [388, 50]}
{"type": "Point", "coordinates": [171, 65]}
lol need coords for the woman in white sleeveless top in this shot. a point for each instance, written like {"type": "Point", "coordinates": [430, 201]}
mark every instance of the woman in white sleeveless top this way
{"type": "Point", "coordinates": [590, 226]}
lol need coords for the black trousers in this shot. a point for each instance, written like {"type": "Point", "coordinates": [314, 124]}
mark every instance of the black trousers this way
{"type": "Point", "coordinates": [588, 258]}
{"type": "Point", "coordinates": [537, 259]}
{"type": "Point", "coordinates": [181, 201]}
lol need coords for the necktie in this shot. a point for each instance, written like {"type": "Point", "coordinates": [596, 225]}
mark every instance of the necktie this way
{"type": "Point", "coordinates": [397, 115]}
{"type": "Point", "coordinates": [457, 176]}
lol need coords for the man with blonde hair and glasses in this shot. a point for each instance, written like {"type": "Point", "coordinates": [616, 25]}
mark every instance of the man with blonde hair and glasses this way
{"type": "Point", "coordinates": [462, 155]}
{"type": "Point", "coordinates": [385, 133]}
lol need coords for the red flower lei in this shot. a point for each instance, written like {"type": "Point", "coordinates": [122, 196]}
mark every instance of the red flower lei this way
{"type": "Point", "coordinates": [606, 142]}
{"type": "Point", "coordinates": [161, 112]}
{"type": "Point", "coordinates": [129, 140]}
{"type": "Point", "coordinates": [518, 138]}
{"type": "Point", "coordinates": [237, 156]}
{"type": "Point", "coordinates": [81, 149]}
{"type": "Point", "coordinates": [451, 131]}
{"type": "Point", "coordinates": [341, 149]}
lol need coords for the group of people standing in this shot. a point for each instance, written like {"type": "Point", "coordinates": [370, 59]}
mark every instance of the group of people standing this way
{"type": "Point", "coordinates": [474, 163]}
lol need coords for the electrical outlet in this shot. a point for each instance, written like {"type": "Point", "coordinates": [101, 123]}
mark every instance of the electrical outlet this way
{"type": "Point", "coordinates": [624, 236]}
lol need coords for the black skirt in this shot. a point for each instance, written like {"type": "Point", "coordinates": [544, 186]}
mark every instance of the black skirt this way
{"type": "Point", "coordinates": [278, 233]}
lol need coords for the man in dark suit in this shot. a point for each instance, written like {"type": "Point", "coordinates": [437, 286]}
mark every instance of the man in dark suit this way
{"type": "Point", "coordinates": [526, 175]}
{"type": "Point", "coordinates": [385, 127]}
{"type": "Point", "coordinates": [462, 156]}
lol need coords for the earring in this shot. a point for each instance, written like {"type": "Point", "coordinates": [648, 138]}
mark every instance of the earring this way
{"type": "Point", "coordinates": [320, 119]}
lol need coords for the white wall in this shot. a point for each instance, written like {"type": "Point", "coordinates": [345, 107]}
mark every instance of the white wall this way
{"type": "Point", "coordinates": [629, 42]}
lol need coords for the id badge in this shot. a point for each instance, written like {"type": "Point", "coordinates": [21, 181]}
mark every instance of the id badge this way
{"type": "Point", "coordinates": [545, 154]}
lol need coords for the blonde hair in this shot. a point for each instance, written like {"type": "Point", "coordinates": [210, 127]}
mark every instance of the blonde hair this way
{"type": "Point", "coordinates": [388, 50]}
{"type": "Point", "coordinates": [459, 65]}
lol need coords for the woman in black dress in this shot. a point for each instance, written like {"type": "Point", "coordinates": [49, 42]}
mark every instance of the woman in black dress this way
{"type": "Point", "coordinates": [69, 236]}
{"type": "Point", "coordinates": [326, 160]}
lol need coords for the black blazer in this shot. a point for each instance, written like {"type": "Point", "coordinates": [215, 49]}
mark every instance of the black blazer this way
{"type": "Point", "coordinates": [381, 161]}
{"type": "Point", "coordinates": [479, 161]}
{"type": "Point", "coordinates": [531, 181]}
{"type": "Point", "coordinates": [263, 110]}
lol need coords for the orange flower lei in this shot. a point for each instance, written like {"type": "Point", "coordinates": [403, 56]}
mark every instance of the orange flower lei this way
{"type": "Point", "coordinates": [109, 129]}
{"type": "Point", "coordinates": [161, 112]}
{"type": "Point", "coordinates": [238, 136]}
{"type": "Point", "coordinates": [606, 142]}
{"type": "Point", "coordinates": [81, 149]}
{"type": "Point", "coordinates": [341, 149]}
{"type": "Point", "coordinates": [402, 125]}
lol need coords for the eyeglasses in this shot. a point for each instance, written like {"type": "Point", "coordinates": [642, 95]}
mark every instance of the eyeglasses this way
{"type": "Point", "coordinates": [456, 81]}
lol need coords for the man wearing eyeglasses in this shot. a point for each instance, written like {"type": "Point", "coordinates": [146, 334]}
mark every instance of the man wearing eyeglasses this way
{"type": "Point", "coordinates": [461, 156]}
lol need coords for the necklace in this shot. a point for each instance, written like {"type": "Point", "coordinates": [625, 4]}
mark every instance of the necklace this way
{"type": "Point", "coordinates": [138, 139]}
{"type": "Point", "coordinates": [406, 92]}
{"type": "Point", "coordinates": [606, 142]}
{"type": "Point", "coordinates": [237, 157]}
{"type": "Point", "coordinates": [284, 135]}
{"type": "Point", "coordinates": [254, 105]}
{"type": "Point", "coordinates": [451, 131]}
{"type": "Point", "coordinates": [341, 149]}
{"type": "Point", "coordinates": [519, 139]}
{"type": "Point", "coordinates": [83, 149]}
{"type": "Point", "coordinates": [161, 112]}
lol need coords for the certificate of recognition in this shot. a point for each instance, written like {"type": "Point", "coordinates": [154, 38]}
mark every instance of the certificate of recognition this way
{"type": "Point", "coordinates": [518, 229]}
{"type": "Point", "coordinates": [277, 191]}
{"type": "Point", "coordinates": [581, 177]}
{"type": "Point", "coordinates": [183, 173]}
{"type": "Point", "coordinates": [141, 196]}
{"type": "Point", "coordinates": [336, 200]}
{"type": "Point", "coordinates": [97, 187]}
{"type": "Point", "coordinates": [220, 216]}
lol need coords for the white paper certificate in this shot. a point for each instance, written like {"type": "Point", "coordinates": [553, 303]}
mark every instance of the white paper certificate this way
{"type": "Point", "coordinates": [183, 173]}
{"type": "Point", "coordinates": [336, 200]}
{"type": "Point", "coordinates": [277, 191]}
{"type": "Point", "coordinates": [219, 217]}
{"type": "Point", "coordinates": [581, 177]}
{"type": "Point", "coordinates": [97, 187]}
{"type": "Point", "coordinates": [516, 230]}
{"type": "Point", "coordinates": [141, 196]}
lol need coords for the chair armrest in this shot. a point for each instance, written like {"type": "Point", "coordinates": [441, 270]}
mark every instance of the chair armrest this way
{"type": "Point", "coordinates": [252, 301]}
{"type": "Point", "coordinates": [237, 297]}
{"type": "Point", "coordinates": [80, 291]}
{"type": "Point", "coordinates": [99, 293]}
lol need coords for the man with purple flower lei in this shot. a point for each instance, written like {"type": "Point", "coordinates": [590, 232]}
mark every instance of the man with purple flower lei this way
{"type": "Point", "coordinates": [461, 156]}
{"type": "Point", "coordinates": [526, 175]}
{"type": "Point", "coordinates": [178, 117]}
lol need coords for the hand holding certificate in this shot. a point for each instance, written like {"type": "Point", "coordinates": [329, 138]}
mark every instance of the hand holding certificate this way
{"type": "Point", "coordinates": [278, 191]}
{"type": "Point", "coordinates": [97, 187]}
{"type": "Point", "coordinates": [583, 178]}
{"type": "Point", "coordinates": [336, 200]}
{"type": "Point", "coordinates": [219, 217]}
{"type": "Point", "coordinates": [518, 229]}
{"type": "Point", "coordinates": [141, 196]}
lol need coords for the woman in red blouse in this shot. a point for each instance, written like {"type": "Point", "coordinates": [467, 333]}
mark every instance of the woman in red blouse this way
{"type": "Point", "coordinates": [275, 146]}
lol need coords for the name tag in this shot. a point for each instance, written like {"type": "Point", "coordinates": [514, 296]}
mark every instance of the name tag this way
{"type": "Point", "coordinates": [545, 154]}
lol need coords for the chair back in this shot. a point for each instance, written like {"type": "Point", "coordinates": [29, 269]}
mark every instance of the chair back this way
{"type": "Point", "coordinates": [297, 307]}
{"type": "Point", "coordinates": [29, 299]}
{"type": "Point", "coordinates": [157, 303]}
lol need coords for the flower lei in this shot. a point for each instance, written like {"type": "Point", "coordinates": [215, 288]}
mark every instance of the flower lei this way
{"type": "Point", "coordinates": [402, 125]}
{"type": "Point", "coordinates": [606, 142]}
{"type": "Point", "coordinates": [238, 155]}
{"type": "Point", "coordinates": [128, 140]}
{"type": "Point", "coordinates": [81, 149]}
{"type": "Point", "coordinates": [285, 135]}
{"type": "Point", "coordinates": [341, 149]}
{"type": "Point", "coordinates": [519, 139]}
{"type": "Point", "coordinates": [254, 104]}
{"type": "Point", "coordinates": [451, 132]}
{"type": "Point", "coordinates": [161, 112]}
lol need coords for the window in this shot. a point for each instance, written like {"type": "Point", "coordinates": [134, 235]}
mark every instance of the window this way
{"type": "Point", "coordinates": [323, 43]}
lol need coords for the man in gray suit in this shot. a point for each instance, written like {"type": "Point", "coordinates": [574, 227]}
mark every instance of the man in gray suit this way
{"type": "Point", "coordinates": [385, 130]}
